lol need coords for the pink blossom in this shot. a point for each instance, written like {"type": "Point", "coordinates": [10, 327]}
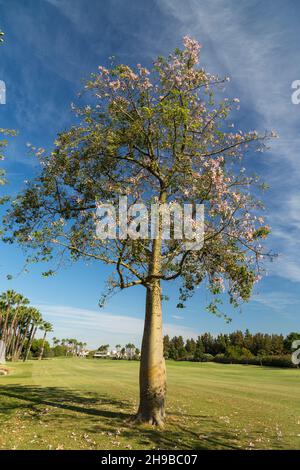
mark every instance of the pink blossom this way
{"type": "Point", "coordinates": [115, 84]}
{"type": "Point", "coordinates": [191, 44]}
{"type": "Point", "coordinates": [103, 70]}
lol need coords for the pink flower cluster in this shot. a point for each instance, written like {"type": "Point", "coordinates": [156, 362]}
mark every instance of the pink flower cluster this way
{"type": "Point", "coordinates": [193, 48]}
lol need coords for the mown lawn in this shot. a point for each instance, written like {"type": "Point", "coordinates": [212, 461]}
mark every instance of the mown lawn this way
{"type": "Point", "coordinates": [85, 404]}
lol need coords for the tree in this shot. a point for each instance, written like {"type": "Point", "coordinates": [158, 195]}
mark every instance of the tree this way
{"type": "Point", "coordinates": [248, 339]}
{"type": "Point", "coordinates": [47, 328]}
{"type": "Point", "coordinates": [237, 338]}
{"type": "Point", "coordinates": [59, 350]}
{"type": "Point", "coordinates": [157, 137]}
{"type": "Point", "coordinates": [55, 341]}
{"type": "Point", "coordinates": [130, 350]}
{"type": "Point", "coordinates": [172, 352]}
{"type": "Point", "coordinates": [221, 343]}
{"type": "Point", "coordinates": [166, 344]}
{"type": "Point", "coordinates": [18, 324]}
{"type": "Point", "coordinates": [199, 351]}
{"type": "Point", "coordinates": [20, 302]}
{"type": "Point", "coordinates": [178, 344]}
{"type": "Point", "coordinates": [208, 343]}
{"type": "Point", "coordinates": [277, 345]}
{"type": "Point", "coordinates": [38, 347]}
{"type": "Point", "coordinates": [13, 316]}
{"type": "Point", "coordinates": [236, 352]}
{"type": "Point", "coordinates": [191, 346]}
{"type": "Point", "coordinates": [36, 322]}
{"type": "Point", "coordinates": [123, 352]}
{"type": "Point", "coordinates": [8, 300]}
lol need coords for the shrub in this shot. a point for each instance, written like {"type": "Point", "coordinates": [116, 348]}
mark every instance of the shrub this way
{"type": "Point", "coordinates": [203, 357]}
{"type": "Point", "coordinates": [270, 361]}
{"type": "Point", "coordinates": [59, 351]}
{"type": "Point", "coordinates": [36, 348]}
{"type": "Point", "coordinates": [277, 361]}
{"type": "Point", "coordinates": [221, 358]}
{"type": "Point", "coordinates": [238, 352]}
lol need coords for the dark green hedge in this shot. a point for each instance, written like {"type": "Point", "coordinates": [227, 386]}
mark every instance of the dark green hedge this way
{"type": "Point", "coordinates": [271, 361]}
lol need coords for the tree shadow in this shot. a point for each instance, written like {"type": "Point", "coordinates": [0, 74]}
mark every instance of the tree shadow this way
{"type": "Point", "coordinates": [182, 437]}
{"type": "Point", "coordinates": [61, 398]}
{"type": "Point", "coordinates": [110, 416]}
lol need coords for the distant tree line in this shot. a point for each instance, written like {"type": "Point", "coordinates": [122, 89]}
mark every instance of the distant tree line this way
{"type": "Point", "coordinates": [236, 347]}
{"type": "Point", "coordinates": [66, 347]}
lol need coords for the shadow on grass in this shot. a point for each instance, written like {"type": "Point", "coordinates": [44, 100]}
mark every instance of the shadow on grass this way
{"type": "Point", "coordinates": [101, 414]}
{"type": "Point", "coordinates": [60, 398]}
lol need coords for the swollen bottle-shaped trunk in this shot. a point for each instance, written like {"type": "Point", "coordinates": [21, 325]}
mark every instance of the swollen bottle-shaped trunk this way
{"type": "Point", "coordinates": [152, 368]}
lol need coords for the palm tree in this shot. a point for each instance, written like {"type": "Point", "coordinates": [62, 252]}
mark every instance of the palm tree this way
{"type": "Point", "coordinates": [47, 328]}
{"type": "Point", "coordinates": [18, 324]}
{"type": "Point", "coordinates": [55, 341]}
{"type": "Point", "coordinates": [19, 330]}
{"type": "Point", "coordinates": [36, 322]}
{"type": "Point", "coordinates": [30, 316]}
{"type": "Point", "coordinates": [8, 300]}
{"type": "Point", "coordinates": [2, 316]}
{"type": "Point", "coordinates": [19, 301]}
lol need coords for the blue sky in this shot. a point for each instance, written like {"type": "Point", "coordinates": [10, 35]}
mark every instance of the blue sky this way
{"type": "Point", "coordinates": [51, 45]}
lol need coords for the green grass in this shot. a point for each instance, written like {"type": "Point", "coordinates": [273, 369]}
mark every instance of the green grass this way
{"type": "Point", "coordinates": [85, 404]}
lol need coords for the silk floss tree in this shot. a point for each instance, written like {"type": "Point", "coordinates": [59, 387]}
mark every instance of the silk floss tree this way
{"type": "Point", "coordinates": [159, 137]}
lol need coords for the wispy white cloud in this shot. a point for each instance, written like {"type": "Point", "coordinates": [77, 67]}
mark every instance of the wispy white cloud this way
{"type": "Point", "coordinates": [177, 317]}
{"type": "Point", "coordinates": [73, 11]}
{"type": "Point", "coordinates": [279, 301]}
{"type": "Point", "coordinates": [101, 327]}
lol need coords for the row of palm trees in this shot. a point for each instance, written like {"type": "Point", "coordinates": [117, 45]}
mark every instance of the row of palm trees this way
{"type": "Point", "coordinates": [71, 345]}
{"type": "Point", "coordinates": [19, 323]}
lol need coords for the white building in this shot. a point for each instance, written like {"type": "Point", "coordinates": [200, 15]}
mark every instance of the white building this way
{"type": "Point", "coordinates": [101, 354]}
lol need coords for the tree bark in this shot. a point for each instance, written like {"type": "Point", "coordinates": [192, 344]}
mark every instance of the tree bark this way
{"type": "Point", "coordinates": [152, 367]}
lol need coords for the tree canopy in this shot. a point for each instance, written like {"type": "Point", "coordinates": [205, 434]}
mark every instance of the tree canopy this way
{"type": "Point", "coordinates": [150, 135]}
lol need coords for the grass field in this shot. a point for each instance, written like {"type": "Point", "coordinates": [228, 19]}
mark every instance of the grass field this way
{"type": "Point", "coordinates": [84, 404]}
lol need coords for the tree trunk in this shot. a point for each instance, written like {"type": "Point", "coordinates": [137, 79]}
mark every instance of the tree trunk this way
{"type": "Point", "coordinates": [11, 333]}
{"type": "Point", "coordinates": [4, 332]}
{"type": "Point", "coordinates": [22, 342]}
{"type": "Point", "coordinates": [152, 367]}
{"type": "Point", "coordinates": [43, 347]}
{"type": "Point", "coordinates": [30, 340]}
